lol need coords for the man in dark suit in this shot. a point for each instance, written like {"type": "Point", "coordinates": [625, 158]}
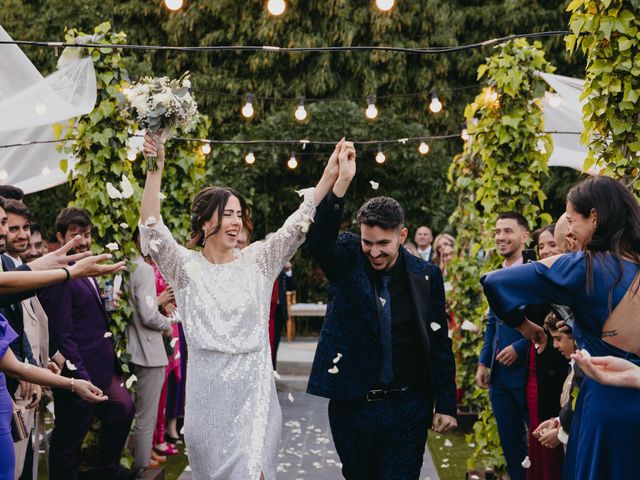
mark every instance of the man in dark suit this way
{"type": "Point", "coordinates": [78, 324]}
{"type": "Point", "coordinates": [502, 366]}
{"type": "Point", "coordinates": [384, 357]}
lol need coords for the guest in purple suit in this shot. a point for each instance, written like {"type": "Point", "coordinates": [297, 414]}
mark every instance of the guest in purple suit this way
{"type": "Point", "coordinates": [78, 322]}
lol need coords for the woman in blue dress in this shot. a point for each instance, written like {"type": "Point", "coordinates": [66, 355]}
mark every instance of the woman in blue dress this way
{"type": "Point", "coordinates": [600, 284]}
{"type": "Point", "coordinates": [12, 282]}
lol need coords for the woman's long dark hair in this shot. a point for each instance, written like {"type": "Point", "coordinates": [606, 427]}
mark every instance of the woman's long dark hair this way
{"type": "Point", "coordinates": [208, 201]}
{"type": "Point", "coordinates": [617, 223]}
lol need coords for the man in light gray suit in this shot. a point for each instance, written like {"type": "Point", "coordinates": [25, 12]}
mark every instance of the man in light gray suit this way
{"type": "Point", "coordinates": [148, 354]}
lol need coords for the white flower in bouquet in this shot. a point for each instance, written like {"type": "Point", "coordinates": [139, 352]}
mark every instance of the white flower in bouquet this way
{"type": "Point", "coordinates": [162, 106]}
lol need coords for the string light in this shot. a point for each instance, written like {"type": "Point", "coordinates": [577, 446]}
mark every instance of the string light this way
{"type": "Point", "coordinates": [250, 158]}
{"type": "Point", "coordinates": [385, 5]}
{"type": "Point", "coordinates": [292, 163]}
{"type": "Point", "coordinates": [276, 7]}
{"type": "Point", "coordinates": [205, 148]}
{"type": "Point", "coordinates": [435, 106]}
{"type": "Point", "coordinates": [247, 110]}
{"type": "Point", "coordinates": [301, 113]}
{"type": "Point", "coordinates": [371, 112]}
{"type": "Point", "coordinates": [380, 158]}
{"type": "Point", "coordinates": [174, 4]}
{"type": "Point", "coordinates": [423, 148]}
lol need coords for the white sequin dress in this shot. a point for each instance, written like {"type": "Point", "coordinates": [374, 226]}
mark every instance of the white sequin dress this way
{"type": "Point", "coordinates": [233, 420]}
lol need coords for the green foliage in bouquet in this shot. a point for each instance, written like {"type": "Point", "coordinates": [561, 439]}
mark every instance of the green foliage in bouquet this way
{"type": "Point", "coordinates": [500, 169]}
{"type": "Point", "coordinates": [608, 32]}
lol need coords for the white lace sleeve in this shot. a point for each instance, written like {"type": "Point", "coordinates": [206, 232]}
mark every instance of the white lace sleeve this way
{"type": "Point", "coordinates": [170, 257]}
{"type": "Point", "coordinates": [273, 253]}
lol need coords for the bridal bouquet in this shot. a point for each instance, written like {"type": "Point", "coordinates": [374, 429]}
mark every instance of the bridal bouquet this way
{"type": "Point", "coordinates": [162, 106]}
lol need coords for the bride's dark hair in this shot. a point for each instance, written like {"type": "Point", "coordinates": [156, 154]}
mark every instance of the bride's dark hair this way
{"type": "Point", "coordinates": [208, 201]}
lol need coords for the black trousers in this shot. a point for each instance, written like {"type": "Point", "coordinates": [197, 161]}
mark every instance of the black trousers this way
{"type": "Point", "coordinates": [381, 440]}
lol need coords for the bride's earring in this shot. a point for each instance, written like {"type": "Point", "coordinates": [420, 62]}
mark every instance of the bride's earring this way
{"type": "Point", "coordinates": [204, 237]}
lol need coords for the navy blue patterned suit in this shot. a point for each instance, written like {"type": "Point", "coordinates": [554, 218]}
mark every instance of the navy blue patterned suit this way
{"type": "Point", "coordinates": [382, 439]}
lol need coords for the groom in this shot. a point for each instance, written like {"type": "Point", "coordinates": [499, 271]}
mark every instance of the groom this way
{"type": "Point", "coordinates": [384, 358]}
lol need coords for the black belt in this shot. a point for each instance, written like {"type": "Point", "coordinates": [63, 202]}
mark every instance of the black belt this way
{"type": "Point", "coordinates": [378, 394]}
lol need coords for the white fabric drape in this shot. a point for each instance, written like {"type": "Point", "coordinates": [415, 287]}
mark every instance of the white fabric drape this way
{"type": "Point", "coordinates": [29, 105]}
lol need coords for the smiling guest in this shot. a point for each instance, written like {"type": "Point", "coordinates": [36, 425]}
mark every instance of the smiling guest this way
{"type": "Point", "coordinates": [384, 357]}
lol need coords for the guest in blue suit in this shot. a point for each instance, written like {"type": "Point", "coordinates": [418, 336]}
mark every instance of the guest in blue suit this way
{"type": "Point", "coordinates": [384, 356]}
{"type": "Point", "coordinates": [502, 366]}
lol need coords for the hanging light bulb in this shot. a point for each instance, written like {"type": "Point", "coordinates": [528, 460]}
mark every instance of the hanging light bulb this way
{"type": "Point", "coordinates": [380, 158]}
{"type": "Point", "coordinates": [131, 155]}
{"type": "Point", "coordinates": [371, 112]}
{"type": "Point", "coordinates": [435, 106]}
{"type": "Point", "coordinates": [385, 5]}
{"type": "Point", "coordinates": [276, 7]}
{"type": "Point", "coordinates": [423, 148]}
{"type": "Point", "coordinates": [247, 110]}
{"type": "Point", "coordinates": [174, 4]}
{"type": "Point", "coordinates": [301, 113]}
{"type": "Point", "coordinates": [250, 158]}
{"type": "Point", "coordinates": [292, 163]}
{"type": "Point", "coordinates": [205, 149]}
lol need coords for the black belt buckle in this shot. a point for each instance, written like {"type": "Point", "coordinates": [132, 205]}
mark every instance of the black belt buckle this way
{"type": "Point", "coordinates": [376, 395]}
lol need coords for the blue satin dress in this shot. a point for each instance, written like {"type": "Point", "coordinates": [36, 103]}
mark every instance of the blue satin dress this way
{"type": "Point", "coordinates": [604, 442]}
{"type": "Point", "coordinates": [7, 459]}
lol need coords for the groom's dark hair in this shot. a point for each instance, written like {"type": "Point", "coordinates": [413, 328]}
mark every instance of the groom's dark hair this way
{"type": "Point", "coordinates": [383, 212]}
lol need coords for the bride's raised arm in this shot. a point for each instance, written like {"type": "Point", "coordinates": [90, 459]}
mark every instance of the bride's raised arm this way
{"type": "Point", "coordinates": [150, 207]}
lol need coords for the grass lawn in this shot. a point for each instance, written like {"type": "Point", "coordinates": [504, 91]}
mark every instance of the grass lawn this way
{"type": "Point", "coordinates": [451, 462]}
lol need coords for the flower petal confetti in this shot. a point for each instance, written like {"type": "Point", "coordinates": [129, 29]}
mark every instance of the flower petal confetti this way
{"type": "Point", "coordinates": [151, 302]}
{"type": "Point", "coordinates": [276, 375]}
{"type": "Point", "coordinates": [338, 358]}
{"type": "Point", "coordinates": [177, 356]}
{"type": "Point", "coordinates": [173, 342]}
{"type": "Point", "coordinates": [161, 196]}
{"type": "Point", "coordinates": [333, 370]}
{"type": "Point", "coordinates": [153, 245]}
{"type": "Point", "coordinates": [290, 397]}
{"type": "Point", "coordinates": [130, 381]}
{"type": "Point", "coordinates": [435, 326]}
{"type": "Point", "coordinates": [112, 191]}
{"type": "Point", "coordinates": [150, 221]}
{"type": "Point", "coordinates": [374, 185]}
{"type": "Point", "coordinates": [469, 326]}
{"type": "Point", "coordinates": [526, 463]}
{"type": "Point", "coordinates": [383, 302]}
{"type": "Point", "coordinates": [113, 246]}
{"type": "Point", "coordinates": [127, 188]}
{"type": "Point", "coordinates": [70, 365]}
{"type": "Point", "coordinates": [585, 353]}
{"type": "Point", "coordinates": [117, 283]}
{"type": "Point", "coordinates": [448, 443]}
{"type": "Point", "coordinates": [108, 334]}
{"type": "Point", "coordinates": [193, 269]}
{"type": "Point", "coordinates": [124, 225]}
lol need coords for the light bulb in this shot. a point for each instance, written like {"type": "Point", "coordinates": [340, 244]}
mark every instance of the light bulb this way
{"type": "Point", "coordinates": [380, 158]}
{"type": "Point", "coordinates": [385, 5]}
{"type": "Point", "coordinates": [464, 134]}
{"type": "Point", "coordinates": [247, 110]}
{"type": "Point", "coordinates": [276, 7]}
{"type": "Point", "coordinates": [174, 4]}
{"type": "Point", "coordinates": [435, 106]}
{"type": "Point", "coordinates": [250, 158]}
{"type": "Point", "coordinates": [46, 171]}
{"type": "Point", "coordinates": [206, 149]}
{"type": "Point", "coordinates": [555, 100]}
{"type": "Point", "coordinates": [371, 112]}
{"type": "Point", "coordinates": [301, 113]}
{"type": "Point", "coordinates": [423, 148]}
{"type": "Point", "coordinates": [292, 163]}
{"type": "Point", "coordinates": [131, 155]}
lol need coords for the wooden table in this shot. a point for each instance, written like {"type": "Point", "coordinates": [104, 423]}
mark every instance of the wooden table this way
{"type": "Point", "coordinates": [301, 310]}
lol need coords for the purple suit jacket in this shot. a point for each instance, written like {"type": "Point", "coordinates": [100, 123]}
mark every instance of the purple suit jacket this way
{"type": "Point", "coordinates": [77, 325]}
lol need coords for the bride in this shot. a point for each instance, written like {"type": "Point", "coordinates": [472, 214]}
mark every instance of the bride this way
{"type": "Point", "coordinates": [232, 415]}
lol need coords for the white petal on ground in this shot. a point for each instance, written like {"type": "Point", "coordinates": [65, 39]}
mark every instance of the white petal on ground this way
{"type": "Point", "coordinates": [113, 246]}
{"type": "Point", "coordinates": [469, 326]}
{"type": "Point", "coordinates": [112, 191]}
{"type": "Point", "coordinates": [338, 357]}
{"type": "Point", "coordinates": [108, 334]}
{"type": "Point", "coordinates": [153, 245]}
{"type": "Point", "coordinates": [151, 302]}
{"type": "Point", "coordinates": [173, 342]}
{"type": "Point", "coordinates": [161, 196]}
{"type": "Point", "coordinates": [70, 365]}
{"type": "Point", "coordinates": [130, 381]}
{"type": "Point", "coordinates": [448, 443]}
{"type": "Point", "coordinates": [117, 283]}
{"type": "Point", "coordinates": [127, 188]}
{"type": "Point", "coordinates": [435, 326]}
{"type": "Point", "coordinates": [526, 463]}
{"type": "Point", "coordinates": [374, 185]}
{"type": "Point", "coordinates": [333, 370]}
{"type": "Point", "coordinates": [193, 269]}
{"type": "Point", "coordinates": [290, 397]}
{"type": "Point", "coordinates": [150, 222]}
